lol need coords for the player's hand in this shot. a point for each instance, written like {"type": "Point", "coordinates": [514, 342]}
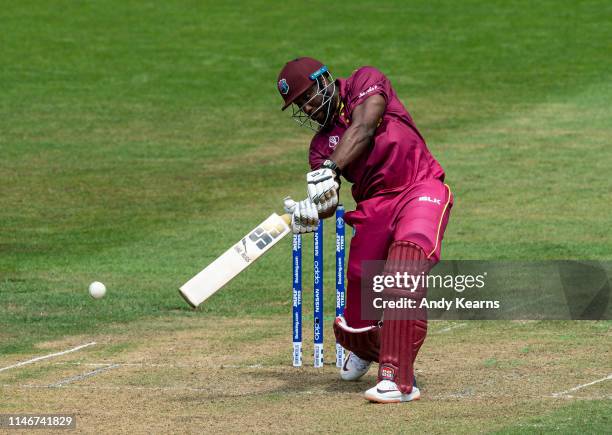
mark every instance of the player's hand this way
{"type": "Point", "coordinates": [304, 215]}
{"type": "Point", "coordinates": [323, 188]}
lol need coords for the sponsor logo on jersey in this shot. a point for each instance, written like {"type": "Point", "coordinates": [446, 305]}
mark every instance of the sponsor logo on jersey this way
{"type": "Point", "coordinates": [367, 91]}
{"type": "Point", "coordinates": [333, 141]}
{"type": "Point", "coordinates": [429, 199]}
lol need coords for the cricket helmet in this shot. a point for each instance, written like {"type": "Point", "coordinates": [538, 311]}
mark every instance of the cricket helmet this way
{"type": "Point", "coordinates": [297, 76]}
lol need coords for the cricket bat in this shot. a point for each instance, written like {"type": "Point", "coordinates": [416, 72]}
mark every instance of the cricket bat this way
{"type": "Point", "coordinates": [235, 259]}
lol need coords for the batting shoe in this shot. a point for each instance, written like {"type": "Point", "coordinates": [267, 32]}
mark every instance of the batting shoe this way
{"type": "Point", "coordinates": [354, 367]}
{"type": "Point", "coordinates": [387, 392]}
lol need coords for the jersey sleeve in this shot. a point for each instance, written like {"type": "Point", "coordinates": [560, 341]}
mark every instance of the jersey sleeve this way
{"type": "Point", "coordinates": [364, 83]}
{"type": "Point", "coordinates": [315, 156]}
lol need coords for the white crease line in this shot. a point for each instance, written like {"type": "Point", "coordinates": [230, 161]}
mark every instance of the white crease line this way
{"type": "Point", "coordinates": [460, 325]}
{"type": "Point", "coordinates": [170, 365]}
{"type": "Point", "coordinates": [110, 387]}
{"type": "Point", "coordinates": [564, 393]}
{"type": "Point", "coordinates": [234, 366]}
{"type": "Point", "coordinates": [33, 360]}
{"type": "Point", "coordinates": [78, 363]}
{"type": "Point", "coordinates": [426, 396]}
{"type": "Point", "coordinates": [83, 376]}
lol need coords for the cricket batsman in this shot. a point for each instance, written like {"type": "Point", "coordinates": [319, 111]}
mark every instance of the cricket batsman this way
{"type": "Point", "coordinates": [363, 133]}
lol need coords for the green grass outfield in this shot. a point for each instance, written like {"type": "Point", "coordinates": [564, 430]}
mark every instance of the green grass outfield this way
{"type": "Point", "coordinates": [139, 140]}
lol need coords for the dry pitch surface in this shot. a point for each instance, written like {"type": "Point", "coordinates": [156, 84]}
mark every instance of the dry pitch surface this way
{"type": "Point", "coordinates": [221, 375]}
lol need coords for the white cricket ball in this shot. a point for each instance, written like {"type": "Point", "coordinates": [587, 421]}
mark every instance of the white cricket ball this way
{"type": "Point", "coordinates": [97, 290]}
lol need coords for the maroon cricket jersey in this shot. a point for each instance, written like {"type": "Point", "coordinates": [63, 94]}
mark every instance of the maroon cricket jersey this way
{"type": "Point", "coordinates": [398, 157]}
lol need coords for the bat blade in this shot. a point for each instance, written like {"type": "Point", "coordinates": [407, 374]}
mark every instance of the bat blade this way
{"type": "Point", "coordinates": [235, 260]}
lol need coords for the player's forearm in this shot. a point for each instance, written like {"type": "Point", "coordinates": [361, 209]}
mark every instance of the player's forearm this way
{"type": "Point", "coordinates": [354, 142]}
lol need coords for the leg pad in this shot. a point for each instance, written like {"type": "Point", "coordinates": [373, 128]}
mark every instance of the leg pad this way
{"type": "Point", "coordinates": [363, 342]}
{"type": "Point", "coordinates": [402, 337]}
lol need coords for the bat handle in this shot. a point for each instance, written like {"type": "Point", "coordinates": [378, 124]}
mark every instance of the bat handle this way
{"type": "Point", "coordinates": [287, 218]}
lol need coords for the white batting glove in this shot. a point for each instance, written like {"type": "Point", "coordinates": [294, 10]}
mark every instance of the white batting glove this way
{"type": "Point", "coordinates": [304, 215]}
{"type": "Point", "coordinates": [289, 205]}
{"type": "Point", "coordinates": [323, 189]}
